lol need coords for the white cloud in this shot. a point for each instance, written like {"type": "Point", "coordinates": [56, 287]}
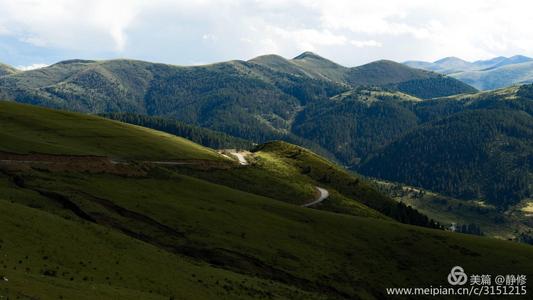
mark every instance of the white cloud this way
{"type": "Point", "coordinates": [209, 37]}
{"type": "Point", "coordinates": [180, 31]}
{"type": "Point", "coordinates": [307, 39]}
{"type": "Point", "coordinates": [367, 43]}
{"type": "Point", "coordinates": [69, 24]}
{"type": "Point", "coordinates": [32, 67]}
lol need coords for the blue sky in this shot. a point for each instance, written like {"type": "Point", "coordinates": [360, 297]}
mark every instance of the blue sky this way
{"type": "Point", "coordinates": [352, 32]}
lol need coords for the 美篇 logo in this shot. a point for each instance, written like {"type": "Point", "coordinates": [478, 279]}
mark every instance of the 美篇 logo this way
{"type": "Point", "coordinates": [457, 276]}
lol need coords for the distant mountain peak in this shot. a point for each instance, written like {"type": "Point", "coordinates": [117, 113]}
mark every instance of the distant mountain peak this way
{"type": "Point", "coordinates": [7, 69]}
{"type": "Point", "coordinates": [450, 59]}
{"type": "Point", "coordinates": [268, 58]}
{"type": "Point", "coordinates": [317, 66]}
{"type": "Point", "coordinates": [384, 62]}
{"type": "Point", "coordinates": [309, 55]}
{"type": "Point", "coordinates": [519, 59]}
{"type": "Point", "coordinates": [519, 56]}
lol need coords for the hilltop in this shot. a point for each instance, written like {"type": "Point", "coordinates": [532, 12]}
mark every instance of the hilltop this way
{"type": "Point", "coordinates": [28, 129]}
{"type": "Point", "coordinates": [7, 70]}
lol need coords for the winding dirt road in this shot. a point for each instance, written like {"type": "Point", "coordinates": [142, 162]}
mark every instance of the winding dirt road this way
{"type": "Point", "coordinates": [241, 158]}
{"type": "Point", "coordinates": [323, 195]}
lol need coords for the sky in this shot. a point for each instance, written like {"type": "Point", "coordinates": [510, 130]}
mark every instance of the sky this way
{"type": "Point", "coordinates": [351, 32]}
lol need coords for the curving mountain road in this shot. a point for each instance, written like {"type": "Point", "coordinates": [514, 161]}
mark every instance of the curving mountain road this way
{"type": "Point", "coordinates": [323, 195]}
{"type": "Point", "coordinates": [241, 158]}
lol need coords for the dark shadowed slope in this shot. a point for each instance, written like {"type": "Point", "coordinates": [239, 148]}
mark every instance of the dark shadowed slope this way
{"type": "Point", "coordinates": [475, 154]}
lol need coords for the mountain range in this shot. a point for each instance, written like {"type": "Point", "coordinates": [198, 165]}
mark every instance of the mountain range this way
{"type": "Point", "coordinates": [383, 119]}
{"type": "Point", "coordinates": [489, 74]}
{"type": "Point", "coordinates": [271, 178]}
{"type": "Point", "coordinates": [257, 100]}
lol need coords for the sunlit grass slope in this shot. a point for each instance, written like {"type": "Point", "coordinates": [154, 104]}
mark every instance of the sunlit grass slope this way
{"type": "Point", "coordinates": [30, 129]}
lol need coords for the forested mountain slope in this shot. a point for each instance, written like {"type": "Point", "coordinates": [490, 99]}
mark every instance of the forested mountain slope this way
{"type": "Point", "coordinates": [474, 154]}
{"type": "Point", "coordinates": [199, 135]}
{"type": "Point", "coordinates": [356, 123]}
{"type": "Point", "coordinates": [237, 88]}
{"type": "Point", "coordinates": [257, 100]}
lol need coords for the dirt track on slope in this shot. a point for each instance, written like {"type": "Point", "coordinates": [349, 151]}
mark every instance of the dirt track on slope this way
{"type": "Point", "coordinates": [58, 163]}
{"type": "Point", "coordinates": [323, 194]}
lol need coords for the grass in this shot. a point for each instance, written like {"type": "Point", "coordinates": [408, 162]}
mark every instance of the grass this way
{"type": "Point", "coordinates": [326, 174]}
{"type": "Point", "coordinates": [309, 249]}
{"type": "Point", "coordinates": [284, 180]}
{"type": "Point", "coordinates": [49, 257]}
{"type": "Point", "coordinates": [169, 234]}
{"type": "Point", "coordinates": [29, 129]}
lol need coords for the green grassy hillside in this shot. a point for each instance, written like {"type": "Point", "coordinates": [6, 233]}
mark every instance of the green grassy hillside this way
{"type": "Point", "coordinates": [284, 178]}
{"type": "Point", "coordinates": [163, 232]}
{"type": "Point", "coordinates": [29, 129]}
{"type": "Point", "coordinates": [302, 162]}
{"type": "Point", "coordinates": [46, 256]}
{"type": "Point", "coordinates": [293, 248]}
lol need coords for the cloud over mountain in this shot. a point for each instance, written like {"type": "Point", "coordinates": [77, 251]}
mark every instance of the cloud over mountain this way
{"type": "Point", "coordinates": [184, 32]}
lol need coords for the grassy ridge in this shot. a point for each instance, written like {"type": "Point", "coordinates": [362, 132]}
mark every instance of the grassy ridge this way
{"type": "Point", "coordinates": [327, 174]}
{"type": "Point", "coordinates": [28, 129]}
{"type": "Point", "coordinates": [284, 180]}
